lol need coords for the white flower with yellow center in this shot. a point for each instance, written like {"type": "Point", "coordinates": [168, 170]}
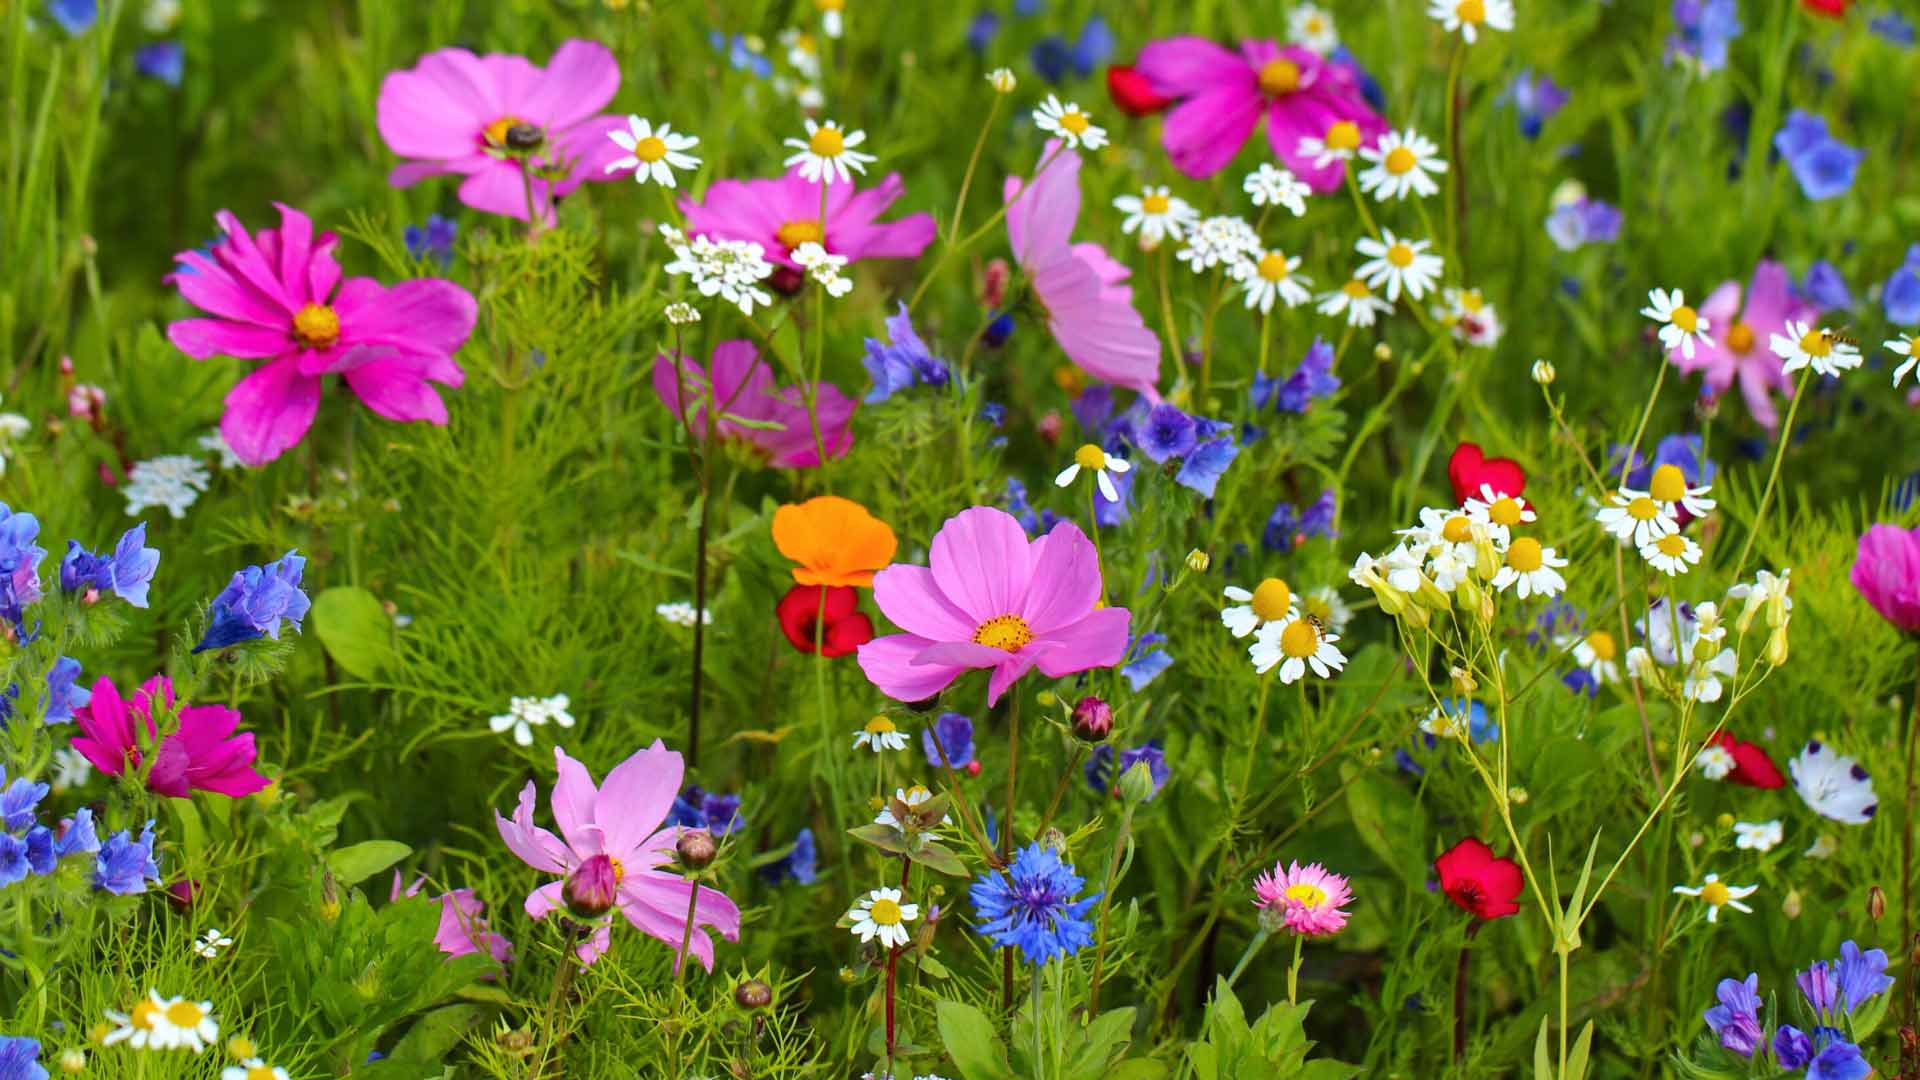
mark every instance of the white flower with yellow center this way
{"type": "Point", "coordinates": [1404, 163]}
{"type": "Point", "coordinates": [1670, 489]}
{"type": "Point", "coordinates": [1400, 265]}
{"type": "Point", "coordinates": [803, 52]}
{"type": "Point", "coordinates": [1069, 124]}
{"type": "Point", "coordinates": [1471, 318]}
{"type": "Point", "coordinates": [833, 21]}
{"type": "Point", "coordinates": [211, 943]}
{"type": "Point", "coordinates": [1311, 28]}
{"type": "Point", "coordinates": [1270, 274]}
{"type": "Point", "coordinates": [881, 914]}
{"type": "Point", "coordinates": [1758, 835]}
{"type": "Point", "coordinates": [1101, 463]}
{"type": "Point", "coordinates": [1532, 568]}
{"type": "Point", "coordinates": [1340, 143]}
{"type": "Point", "coordinates": [824, 268]}
{"type": "Point", "coordinates": [1599, 654]}
{"type": "Point", "coordinates": [1680, 325]}
{"type": "Point", "coordinates": [1634, 517]}
{"type": "Point", "coordinates": [1270, 601]}
{"type": "Point", "coordinates": [1715, 762]}
{"type": "Point", "coordinates": [1499, 512]}
{"type": "Point", "coordinates": [1804, 345]}
{"type": "Point", "coordinates": [879, 734]}
{"type": "Point", "coordinates": [1296, 644]}
{"type": "Point", "coordinates": [1468, 16]}
{"type": "Point", "coordinates": [1671, 554]}
{"type": "Point", "coordinates": [912, 796]}
{"type": "Point", "coordinates": [652, 153]}
{"type": "Point", "coordinates": [1155, 215]}
{"type": "Point", "coordinates": [157, 1023]}
{"type": "Point", "coordinates": [1269, 185]}
{"type": "Point", "coordinates": [681, 313]}
{"type": "Point", "coordinates": [1903, 347]}
{"type": "Point", "coordinates": [1323, 602]}
{"type": "Point", "coordinates": [1717, 894]}
{"type": "Point", "coordinates": [828, 152]}
{"type": "Point", "coordinates": [253, 1069]}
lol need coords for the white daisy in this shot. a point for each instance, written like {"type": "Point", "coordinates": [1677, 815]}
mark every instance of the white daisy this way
{"type": "Point", "coordinates": [1680, 325]}
{"type": "Point", "coordinates": [1102, 463]}
{"type": "Point", "coordinates": [1670, 489]}
{"type": "Point", "coordinates": [1803, 345]}
{"type": "Point", "coordinates": [1498, 511]}
{"type": "Point", "coordinates": [828, 152]}
{"type": "Point", "coordinates": [1338, 144]}
{"type": "Point", "coordinates": [1271, 274]}
{"type": "Point", "coordinates": [1324, 603]}
{"type": "Point", "coordinates": [1269, 185]}
{"type": "Point", "coordinates": [1718, 894]}
{"type": "Point", "coordinates": [1400, 265]}
{"type": "Point", "coordinates": [1069, 124]}
{"type": "Point", "coordinates": [1633, 517]}
{"type": "Point", "coordinates": [879, 734]}
{"type": "Point", "coordinates": [681, 613]}
{"type": "Point", "coordinates": [526, 713]}
{"type": "Point", "coordinates": [1471, 318]}
{"type": "Point", "coordinates": [1599, 654]}
{"type": "Point", "coordinates": [912, 796]}
{"type": "Point", "coordinates": [1312, 28]}
{"type": "Point", "coordinates": [1221, 240]}
{"type": "Point", "coordinates": [803, 52]}
{"type": "Point", "coordinates": [1531, 567]}
{"type": "Point", "coordinates": [652, 153]}
{"type": "Point", "coordinates": [157, 1023]}
{"type": "Point", "coordinates": [1714, 761]}
{"type": "Point", "coordinates": [1296, 644]}
{"type": "Point", "coordinates": [1356, 301]}
{"type": "Point", "coordinates": [1467, 16]}
{"type": "Point", "coordinates": [1671, 554]}
{"type": "Point", "coordinates": [253, 1069]}
{"type": "Point", "coordinates": [211, 943]}
{"type": "Point", "coordinates": [1270, 601]}
{"type": "Point", "coordinates": [881, 914]}
{"type": "Point", "coordinates": [1758, 835]}
{"type": "Point", "coordinates": [833, 21]}
{"type": "Point", "coordinates": [1834, 785]}
{"type": "Point", "coordinates": [1903, 346]}
{"type": "Point", "coordinates": [824, 268]}
{"type": "Point", "coordinates": [1155, 215]}
{"type": "Point", "coordinates": [1403, 163]}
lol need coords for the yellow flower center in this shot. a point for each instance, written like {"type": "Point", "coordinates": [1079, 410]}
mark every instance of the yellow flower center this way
{"type": "Point", "coordinates": [1643, 509]}
{"type": "Point", "coordinates": [1343, 135]}
{"type": "Point", "coordinates": [1075, 121]}
{"type": "Point", "coordinates": [805, 43]}
{"type": "Point", "coordinates": [794, 233]}
{"type": "Point", "coordinates": [1400, 160]}
{"type": "Point", "coordinates": [827, 142]}
{"type": "Point", "coordinates": [1310, 895]}
{"type": "Point", "coordinates": [1356, 289]}
{"type": "Point", "coordinates": [1299, 640]}
{"type": "Point", "coordinates": [1315, 24]}
{"type": "Point", "coordinates": [240, 1047]}
{"type": "Point", "coordinates": [1715, 893]}
{"type": "Point", "coordinates": [1154, 203]}
{"type": "Point", "coordinates": [1740, 338]}
{"type": "Point", "coordinates": [1524, 555]}
{"type": "Point", "coordinates": [1317, 607]}
{"type": "Point", "coordinates": [317, 326]}
{"type": "Point", "coordinates": [830, 5]}
{"type": "Point", "coordinates": [1669, 484]}
{"type": "Point", "coordinates": [496, 132]}
{"type": "Point", "coordinates": [143, 1015]}
{"type": "Point", "coordinates": [1400, 255]}
{"type": "Point", "coordinates": [1603, 645]}
{"type": "Point", "coordinates": [1090, 456]}
{"type": "Point", "coordinates": [880, 725]}
{"type": "Point", "coordinates": [1685, 318]}
{"type": "Point", "coordinates": [1457, 530]}
{"type": "Point", "coordinates": [885, 912]}
{"type": "Point", "coordinates": [185, 1014]}
{"type": "Point", "coordinates": [1006, 632]}
{"type": "Point", "coordinates": [260, 1072]}
{"type": "Point", "coordinates": [1816, 343]}
{"type": "Point", "coordinates": [1471, 300]}
{"type": "Point", "coordinates": [1281, 76]}
{"type": "Point", "coordinates": [1504, 511]}
{"type": "Point", "coordinates": [1273, 266]}
{"type": "Point", "coordinates": [1271, 599]}
{"type": "Point", "coordinates": [650, 149]}
{"type": "Point", "coordinates": [619, 870]}
{"type": "Point", "coordinates": [1471, 11]}
{"type": "Point", "coordinates": [1673, 544]}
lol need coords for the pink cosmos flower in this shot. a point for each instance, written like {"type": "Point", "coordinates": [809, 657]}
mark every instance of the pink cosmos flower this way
{"type": "Point", "coordinates": [1310, 898]}
{"type": "Point", "coordinates": [990, 598]}
{"type": "Point", "coordinates": [1886, 570]}
{"type": "Point", "coordinates": [1089, 312]}
{"type": "Point", "coordinates": [1222, 93]}
{"type": "Point", "coordinates": [782, 214]}
{"type": "Point", "coordinates": [615, 830]}
{"type": "Point", "coordinates": [1739, 349]}
{"type": "Point", "coordinates": [201, 754]}
{"type": "Point", "coordinates": [274, 293]}
{"type": "Point", "coordinates": [463, 925]}
{"type": "Point", "coordinates": [451, 112]}
{"type": "Point", "coordinates": [742, 386]}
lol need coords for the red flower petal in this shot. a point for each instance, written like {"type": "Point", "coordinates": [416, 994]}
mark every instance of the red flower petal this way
{"type": "Point", "coordinates": [1132, 91]}
{"type": "Point", "coordinates": [844, 627]}
{"type": "Point", "coordinates": [1478, 881]}
{"type": "Point", "coordinates": [1469, 468]}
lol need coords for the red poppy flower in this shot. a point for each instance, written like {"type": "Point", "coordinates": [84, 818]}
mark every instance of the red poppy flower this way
{"type": "Point", "coordinates": [1835, 8]}
{"type": "Point", "coordinates": [1482, 883]}
{"type": "Point", "coordinates": [1751, 765]}
{"type": "Point", "coordinates": [846, 626]}
{"type": "Point", "coordinates": [1469, 468]}
{"type": "Point", "coordinates": [1132, 92]}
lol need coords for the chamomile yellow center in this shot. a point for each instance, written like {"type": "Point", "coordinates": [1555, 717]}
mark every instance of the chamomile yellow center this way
{"type": "Point", "coordinates": [1306, 894]}
{"type": "Point", "coordinates": [1005, 632]}
{"type": "Point", "coordinates": [1504, 511]}
{"type": "Point", "coordinates": [143, 1015]}
{"type": "Point", "coordinates": [1090, 456]}
{"type": "Point", "coordinates": [885, 912]}
{"type": "Point", "coordinates": [317, 326]}
{"type": "Point", "coordinates": [1343, 135]}
{"type": "Point", "coordinates": [1075, 121]}
{"type": "Point", "coordinates": [1279, 76]}
{"type": "Point", "coordinates": [1816, 343]}
{"type": "Point", "coordinates": [1669, 484]}
{"type": "Point", "coordinates": [1471, 11]}
{"type": "Point", "coordinates": [1154, 203]}
{"type": "Point", "coordinates": [1715, 893]}
{"type": "Point", "coordinates": [1642, 508]}
{"type": "Point", "coordinates": [1457, 530]}
{"type": "Point", "coordinates": [260, 1072]}
{"type": "Point", "coordinates": [1273, 266]}
{"type": "Point", "coordinates": [827, 141]}
{"type": "Point", "coordinates": [1317, 607]}
{"type": "Point", "coordinates": [1740, 338]}
{"type": "Point", "coordinates": [496, 132]}
{"type": "Point", "coordinates": [1356, 289]}
{"type": "Point", "coordinates": [184, 1014]}
{"type": "Point", "coordinates": [1271, 600]}
{"type": "Point", "coordinates": [1299, 640]}
{"type": "Point", "coordinates": [1672, 544]}
{"type": "Point", "coordinates": [1400, 160]}
{"type": "Point", "coordinates": [650, 149]}
{"type": "Point", "coordinates": [794, 233]}
{"type": "Point", "coordinates": [880, 725]}
{"type": "Point", "coordinates": [1524, 555]}
{"type": "Point", "coordinates": [1471, 300]}
{"type": "Point", "coordinates": [1400, 255]}
{"type": "Point", "coordinates": [1685, 318]}
{"type": "Point", "coordinates": [830, 5]}
{"type": "Point", "coordinates": [1603, 645]}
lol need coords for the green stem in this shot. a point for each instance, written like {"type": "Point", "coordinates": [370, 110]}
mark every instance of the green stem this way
{"type": "Point", "coordinates": [1106, 904]}
{"type": "Point", "coordinates": [1293, 971]}
{"type": "Point", "coordinates": [1246, 956]}
{"type": "Point", "coordinates": [1259, 735]}
{"type": "Point", "coordinates": [1006, 835]}
{"type": "Point", "coordinates": [1773, 477]}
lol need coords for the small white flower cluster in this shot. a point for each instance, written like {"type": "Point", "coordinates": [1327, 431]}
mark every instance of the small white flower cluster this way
{"type": "Point", "coordinates": [681, 613]}
{"type": "Point", "coordinates": [1221, 240]}
{"type": "Point", "coordinates": [526, 713]}
{"type": "Point", "coordinates": [173, 481]}
{"type": "Point", "coordinates": [215, 443]}
{"type": "Point", "coordinates": [824, 268]}
{"type": "Point", "coordinates": [13, 428]}
{"type": "Point", "coordinates": [1454, 556]}
{"type": "Point", "coordinates": [730, 269]}
{"type": "Point", "coordinates": [1270, 185]}
{"type": "Point", "coordinates": [210, 944]}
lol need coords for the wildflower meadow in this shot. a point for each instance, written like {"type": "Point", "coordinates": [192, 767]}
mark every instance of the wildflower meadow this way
{"type": "Point", "coordinates": [1005, 540]}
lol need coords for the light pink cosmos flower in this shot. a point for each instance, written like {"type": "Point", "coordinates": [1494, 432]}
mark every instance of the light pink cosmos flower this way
{"type": "Point", "coordinates": [1089, 311]}
{"type": "Point", "coordinates": [201, 754]}
{"type": "Point", "coordinates": [990, 598]}
{"type": "Point", "coordinates": [1739, 351]}
{"type": "Point", "coordinates": [450, 114]}
{"type": "Point", "coordinates": [743, 387]}
{"type": "Point", "coordinates": [1222, 94]}
{"type": "Point", "coordinates": [275, 298]}
{"type": "Point", "coordinates": [1310, 898]}
{"type": "Point", "coordinates": [782, 214]}
{"type": "Point", "coordinates": [617, 827]}
{"type": "Point", "coordinates": [463, 925]}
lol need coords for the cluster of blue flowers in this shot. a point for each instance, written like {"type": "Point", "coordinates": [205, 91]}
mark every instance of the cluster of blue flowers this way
{"type": "Point", "coordinates": [126, 573]}
{"type": "Point", "coordinates": [1289, 526]}
{"type": "Point", "coordinates": [122, 865]}
{"type": "Point", "coordinates": [254, 602]}
{"type": "Point", "coordinates": [1702, 31]}
{"type": "Point", "coordinates": [697, 808]}
{"type": "Point", "coordinates": [950, 732]}
{"type": "Point", "coordinates": [1311, 381]}
{"type": "Point", "coordinates": [1104, 778]}
{"type": "Point", "coordinates": [798, 864]}
{"type": "Point", "coordinates": [1822, 164]}
{"type": "Point", "coordinates": [434, 240]}
{"type": "Point", "coordinates": [1033, 906]}
{"type": "Point", "coordinates": [904, 363]}
{"type": "Point", "coordinates": [20, 1058]}
{"type": "Point", "coordinates": [1577, 223]}
{"type": "Point", "coordinates": [1536, 98]}
{"type": "Point", "coordinates": [1831, 989]}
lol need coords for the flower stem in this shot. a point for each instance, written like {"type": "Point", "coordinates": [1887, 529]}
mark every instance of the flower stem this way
{"type": "Point", "coordinates": [1106, 904]}
{"type": "Point", "coordinates": [1460, 991]}
{"type": "Point", "coordinates": [699, 600]}
{"type": "Point", "coordinates": [686, 936]}
{"type": "Point", "coordinates": [1060, 789]}
{"type": "Point", "coordinates": [973, 162]}
{"type": "Point", "coordinates": [1293, 971]}
{"type": "Point", "coordinates": [1259, 735]}
{"type": "Point", "coordinates": [1906, 849]}
{"type": "Point", "coordinates": [1006, 836]}
{"type": "Point", "coordinates": [1456, 164]}
{"type": "Point", "coordinates": [1246, 957]}
{"type": "Point", "coordinates": [1093, 530]}
{"type": "Point", "coordinates": [1766, 497]}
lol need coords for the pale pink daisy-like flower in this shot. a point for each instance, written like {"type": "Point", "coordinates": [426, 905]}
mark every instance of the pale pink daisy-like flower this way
{"type": "Point", "coordinates": [1311, 898]}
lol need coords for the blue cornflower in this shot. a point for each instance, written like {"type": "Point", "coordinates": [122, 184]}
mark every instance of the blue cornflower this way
{"type": "Point", "coordinates": [1316, 521]}
{"type": "Point", "coordinates": [1736, 1020]}
{"type": "Point", "coordinates": [20, 802]}
{"type": "Point", "coordinates": [1536, 98]}
{"type": "Point", "coordinates": [1862, 975]}
{"type": "Point", "coordinates": [1104, 779]}
{"type": "Point", "coordinates": [1703, 30]}
{"type": "Point", "coordinates": [696, 808]}
{"type": "Point", "coordinates": [1581, 681]}
{"type": "Point", "coordinates": [741, 55]}
{"type": "Point", "coordinates": [74, 16]}
{"type": "Point", "coordinates": [1902, 292]}
{"type": "Point", "coordinates": [1201, 470]}
{"type": "Point", "coordinates": [123, 866]}
{"type": "Point", "coordinates": [993, 413]}
{"type": "Point", "coordinates": [77, 836]}
{"type": "Point", "coordinates": [254, 602]}
{"type": "Point", "coordinates": [999, 330]}
{"type": "Point", "coordinates": [1026, 8]}
{"type": "Point", "coordinates": [1033, 906]}
{"type": "Point", "coordinates": [900, 365]}
{"type": "Point", "coordinates": [952, 732]}
{"type": "Point", "coordinates": [1584, 221]}
{"type": "Point", "coordinates": [13, 859]}
{"type": "Point", "coordinates": [798, 864]}
{"type": "Point", "coordinates": [433, 240]}
{"type": "Point", "coordinates": [1839, 1060]}
{"type": "Point", "coordinates": [1311, 381]}
{"type": "Point", "coordinates": [126, 573]}
{"type": "Point", "coordinates": [1054, 58]}
{"type": "Point", "coordinates": [1892, 26]}
{"type": "Point", "coordinates": [1166, 433]}
{"type": "Point", "coordinates": [981, 30]}
{"type": "Point", "coordinates": [1679, 450]}
{"type": "Point", "coordinates": [1370, 89]}
{"type": "Point", "coordinates": [19, 563]}
{"type": "Point", "coordinates": [163, 60]}
{"type": "Point", "coordinates": [1554, 621]}
{"type": "Point", "coordinates": [1145, 659]}
{"type": "Point", "coordinates": [1282, 525]}
{"type": "Point", "coordinates": [20, 1058]}
{"type": "Point", "coordinates": [41, 854]}
{"type": "Point", "coordinates": [1822, 164]}
{"type": "Point", "coordinates": [1093, 408]}
{"type": "Point", "coordinates": [1825, 287]}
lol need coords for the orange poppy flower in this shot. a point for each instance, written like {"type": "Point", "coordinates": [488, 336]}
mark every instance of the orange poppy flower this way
{"type": "Point", "coordinates": [835, 541]}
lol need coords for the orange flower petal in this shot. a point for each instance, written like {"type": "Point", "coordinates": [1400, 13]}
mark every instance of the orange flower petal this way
{"type": "Point", "coordinates": [835, 541]}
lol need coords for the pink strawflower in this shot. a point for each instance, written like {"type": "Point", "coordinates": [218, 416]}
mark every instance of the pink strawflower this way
{"type": "Point", "coordinates": [782, 214]}
{"type": "Point", "coordinates": [463, 925]}
{"type": "Point", "coordinates": [1886, 570]}
{"type": "Point", "coordinates": [1739, 346]}
{"type": "Point", "coordinates": [743, 386]}
{"type": "Point", "coordinates": [201, 753]}
{"type": "Point", "coordinates": [1089, 312]}
{"type": "Point", "coordinates": [451, 112]}
{"type": "Point", "coordinates": [620, 821]}
{"type": "Point", "coordinates": [1222, 94]}
{"type": "Point", "coordinates": [991, 598]}
{"type": "Point", "coordinates": [1311, 898]}
{"type": "Point", "coordinates": [275, 296]}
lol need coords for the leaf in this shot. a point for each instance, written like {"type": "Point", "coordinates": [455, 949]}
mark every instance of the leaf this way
{"type": "Point", "coordinates": [356, 630]}
{"type": "Point", "coordinates": [1577, 1060]}
{"type": "Point", "coordinates": [1137, 1069]}
{"type": "Point", "coordinates": [885, 837]}
{"type": "Point", "coordinates": [1390, 824]}
{"type": "Point", "coordinates": [436, 1033]}
{"type": "Point", "coordinates": [970, 1042]}
{"type": "Point", "coordinates": [936, 857]}
{"type": "Point", "coordinates": [1542, 1058]}
{"type": "Point", "coordinates": [354, 864]}
{"type": "Point", "coordinates": [1328, 1069]}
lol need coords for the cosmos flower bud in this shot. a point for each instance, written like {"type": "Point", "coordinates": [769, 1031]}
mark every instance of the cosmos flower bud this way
{"type": "Point", "coordinates": [525, 137]}
{"type": "Point", "coordinates": [1876, 903]}
{"type": "Point", "coordinates": [1136, 784]}
{"type": "Point", "coordinates": [1050, 426]}
{"type": "Point", "coordinates": [993, 282]}
{"type": "Point", "coordinates": [182, 894]}
{"type": "Point", "coordinates": [594, 887]}
{"type": "Point", "coordinates": [696, 849]}
{"type": "Point", "coordinates": [753, 994]}
{"type": "Point", "coordinates": [1092, 720]}
{"type": "Point", "coordinates": [1198, 561]}
{"type": "Point", "coordinates": [1543, 373]}
{"type": "Point", "coordinates": [1706, 407]}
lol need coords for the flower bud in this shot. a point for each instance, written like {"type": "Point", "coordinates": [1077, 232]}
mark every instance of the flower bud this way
{"type": "Point", "coordinates": [696, 849]}
{"type": "Point", "coordinates": [1198, 561]}
{"type": "Point", "coordinates": [182, 894]}
{"type": "Point", "coordinates": [1273, 918]}
{"type": "Point", "coordinates": [73, 1060]}
{"type": "Point", "coordinates": [525, 137]}
{"type": "Point", "coordinates": [1136, 784]}
{"type": "Point", "coordinates": [1002, 80]}
{"type": "Point", "coordinates": [1518, 796]}
{"type": "Point", "coordinates": [1050, 426]}
{"type": "Point", "coordinates": [1543, 373]}
{"type": "Point", "coordinates": [1706, 407]}
{"type": "Point", "coordinates": [993, 282]}
{"type": "Point", "coordinates": [1725, 821]}
{"type": "Point", "coordinates": [1045, 699]}
{"type": "Point", "coordinates": [1876, 903]}
{"type": "Point", "coordinates": [1092, 720]}
{"type": "Point", "coordinates": [1462, 681]}
{"type": "Point", "coordinates": [753, 994]}
{"type": "Point", "coordinates": [329, 896]}
{"type": "Point", "coordinates": [1791, 907]}
{"type": "Point", "coordinates": [1777, 647]}
{"type": "Point", "coordinates": [594, 887]}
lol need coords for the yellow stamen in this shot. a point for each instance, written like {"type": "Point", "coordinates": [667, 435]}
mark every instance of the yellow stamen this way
{"type": "Point", "coordinates": [827, 142]}
{"type": "Point", "coordinates": [1356, 289]}
{"type": "Point", "coordinates": [1685, 318]}
{"type": "Point", "coordinates": [1400, 255]}
{"type": "Point", "coordinates": [143, 1015]}
{"type": "Point", "coordinates": [1155, 203]}
{"type": "Point", "coordinates": [1816, 343]}
{"type": "Point", "coordinates": [1075, 121]}
{"type": "Point", "coordinates": [794, 233]}
{"type": "Point", "coordinates": [1279, 76]}
{"type": "Point", "coordinates": [1672, 544]}
{"type": "Point", "coordinates": [1400, 160]}
{"type": "Point", "coordinates": [1271, 599]}
{"type": "Point", "coordinates": [879, 725]}
{"type": "Point", "coordinates": [317, 326]}
{"type": "Point", "coordinates": [496, 133]}
{"type": "Point", "coordinates": [1299, 640]}
{"type": "Point", "coordinates": [184, 1014]}
{"type": "Point", "coordinates": [1643, 509]}
{"type": "Point", "coordinates": [1310, 895]}
{"type": "Point", "coordinates": [1009, 633]}
{"type": "Point", "coordinates": [1715, 893]}
{"type": "Point", "coordinates": [885, 912]}
{"type": "Point", "coordinates": [1504, 511]}
{"type": "Point", "coordinates": [1457, 530]}
{"type": "Point", "coordinates": [1603, 645]}
{"type": "Point", "coordinates": [1525, 555]}
{"type": "Point", "coordinates": [1343, 135]}
{"type": "Point", "coordinates": [1669, 484]}
{"type": "Point", "coordinates": [1471, 11]}
{"type": "Point", "coordinates": [650, 149]}
{"type": "Point", "coordinates": [1273, 266]}
{"type": "Point", "coordinates": [1740, 338]}
{"type": "Point", "coordinates": [1090, 456]}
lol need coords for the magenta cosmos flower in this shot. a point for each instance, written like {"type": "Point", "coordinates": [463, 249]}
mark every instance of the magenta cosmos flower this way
{"type": "Point", "coordinates": [463, 924]}
{"type": "Point", "coordinates": [1309, 898]}
{"type": "Point", "coordinates": [614, 833]}
{"type": "Point", "coordinates": [201, 753]}
{"type": "Point", "coordinates": [1089, 311]}
{"type": "Point", "coordinates": [1222, 94]}
{"type": "Point", "coordinates": [451, 113]}
{"type": "Point", "coordinates": [990, 598]}
{"type": "Point", "coordinates": [275, 298]}
{"type": "Point", "coordinates": [782, 214]}
{"type": "Point", "coordinates": [1886, 570]}
{"type": "Point", "coordinates": [1739, 349]}
{"type": "Point", "coordinates": [743, 387]}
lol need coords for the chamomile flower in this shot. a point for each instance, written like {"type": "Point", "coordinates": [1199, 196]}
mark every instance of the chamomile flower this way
{"type": "Point", "coordinates": [210, 944]}
{"type": "Point", "coordinates": [652, 153]}
{"type": "Point", "coordinates": [253, 1069]}
{"type": "Point", "coordinates": [1671, 554]}
{"type": "Point", "coordinates": [1338, 144]}
{"type": "Point", "coordinates": [833, 22]}
{"type": "Point", "coordinates": [1324, 603]}
{"type": "Point", "coordinates": [879, 734]}
{"type": "Point", "coordinates": [1833, 784]}
{"type": "Point", "coordinates": [1758, 835]}
{"type": "Point", "coordinates": [157, 1023]}
{"type": "Point", "coordinates": [1471, 318]}
{"type": "Point", "coordinates": [1498, 511]}
{"type": "Point", "coordinates": [1296, 644]}
{"type": "Point", "coordinates": [1717, 894]}
{"type": "Point", "coordinates": [1221, 240]}
{"type": "Point", "coordinates": [828, 152]}
{"type": "Point", "coordinates": [1532, 568]}
{"type": "Point", "coordinates": [1400, 265]}
{"type": "Point", "coordinates": [1681, 327]}
{"type": "Point", "coordinates": [1155, 215]}
{"type": "Point", "coordinates": [1270, 185]}
{"type": "Point", "coordinates": [1311, 28]}
{"type": "Point", "coordinates": [1069, 124]}
{"type": "Point", "coordinates": [824, 268]}
{"type": "Point", "coordinates": [1270, 274]}
{"type": "Point", "coordinates": [1715, 762]}
{"type": "Point", "coordinates": [1270, 601]}
{"type": "Point", "coordinates": [1823, 847]}
{"type": "Point", "coordinates": [1355, 301]}
{"type": "Point", "coordinates": [881, 914]}
{"type": "Point", "coordinates": [1670, 489]}
{"type": "Point", "coordinates": [1599, 654]}
{"type": "Point", "coordinates": [1803, 346]}
{"type": "Point", "coordinates": [681, 613]}
{"type": "Point", "coordinates": [1102, 463]}
{"type": "Point", "coordinates": [803, 52]}
{"type": "Point", "coordinates": [1634, 517]}
{"type": "Point", "coordinates": [1404, 163]}
{"type": "Point", "coordinates": [1903, 346]}
{"type": "Point", "coordinates": [1468, 16]}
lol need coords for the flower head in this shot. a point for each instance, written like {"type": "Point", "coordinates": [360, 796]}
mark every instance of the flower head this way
{"type": "Point", "coordinates": [835, 541]}
{"type": "Point", "coordinates": [878, 734]}
{"type": "Point", "coordinates": [904, 362]}
{"type": "Point", "coordinates": [1833, 784]}
{"type": "Point", "coordinates": [526, 713]}
{"type": "Point", "coordinates": [19, 564]}
{"type": "Point", "coordinates": [253, 1068]}
{"type": "Point", "coordinates": [1033, 905]}
{"type": "Point", "coordinates": [1886, 572]}
{"type": "Point", "coordinates": [652, 153]}
{"type": "Point", "coordinates": [1354, 300]}
{"type": "Point", "coordinates": [123, 865]}
{"type": "Point", "coordinates": [1736, 1019]}
{"type": "Point", "coordinates": [1296, 644]}
{"type": "Point", "coordinates": [125, 573]}
{"type": "Point", "coordinates": [824, 617]}
{"type": "Point", "coordinates": [1469, 16]}
{"type": "Point", "coordinates": [828, 153]}
{"type": "Point", "coordinates": [1269, 185]}
{"type": "Point", "coordinates": [1717, 894]}
{"type": "Point", "coordinates": [1155, 215]}
{"type": "Point", "coordinates": [950, 734]}
{"type": "Point", "coordinates": [1404, 163]}
{"type": "Point", "coordinates": [463, 927]}
{"type": "Point", "coordinates": [1069, 124]}
{"type": "Point", "coordinates": [254, 603]}
{"type": "Point", "coordinates": [779, 425]}
{"type": "Point", "coordinates": [1481, 883]}
{"type": "Point", "coordinates": [1398, 264]}
{"type": "Point", "coordinates": [882, 914]}
{"type": "Point", "coordinates": [171, 481]}
{"type": "Point", "coordinates": [1682, 328]}
{"type": "Point", "coordinates": [1104, 467]}
{"type": "Point", "coordinates": [1312, 898]}
{"type": "Point", "coordinates": [157, 1023]}
{"type": "Point", "coordinates": [202, 753]}
{"type": "Point", "coordinates": [1804, 345]}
